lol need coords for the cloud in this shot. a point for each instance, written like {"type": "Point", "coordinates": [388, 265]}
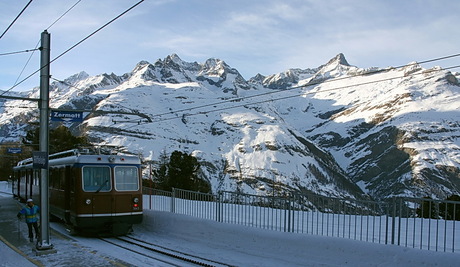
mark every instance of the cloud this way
{"type": "Point", "coordinates": [253, 36]}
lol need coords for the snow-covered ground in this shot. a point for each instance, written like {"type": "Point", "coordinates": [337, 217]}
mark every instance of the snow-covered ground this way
{"type": "Point", "coordinates": [242, 246]}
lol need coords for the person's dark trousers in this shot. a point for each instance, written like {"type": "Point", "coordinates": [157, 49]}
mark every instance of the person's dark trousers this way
{"type": "Point", "coordinates": [35, 226]}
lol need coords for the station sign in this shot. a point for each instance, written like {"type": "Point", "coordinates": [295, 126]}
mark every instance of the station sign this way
{"type": "Point", "coordinates": [14, 150]}
{"type": "Point", "coordinates": [68, 116]}
{"type": "Point", "coordinates": [39, 160]}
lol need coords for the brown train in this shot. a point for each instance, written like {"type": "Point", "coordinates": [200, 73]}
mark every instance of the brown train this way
{"type": "Point", "coordinates": [92, 193]}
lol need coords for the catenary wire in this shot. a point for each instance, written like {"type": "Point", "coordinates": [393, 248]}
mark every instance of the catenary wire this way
{"type": "Point", "coordinates": [11, 24]}
{"type": "Point", "coordinates": [25, 66]}
{"type": "Point", "coordinates": [75, 45]}
{"type": "Point", "coordinates": [237, 99]}
{"type": "Point", "coordinates": [18, 52]}
{"type": "Point", "coordinates": [38, 42]}
{"type": "Point", "coordinates": [139, 121]}
{"type": "Point", "coordinates": [65, 13]}
{"type": "Point", "coordinates": [308, 84]}
{"type": "Point", "coordinates": [288, 97]}
{"type": "Point", "coordinates": [288, 89]}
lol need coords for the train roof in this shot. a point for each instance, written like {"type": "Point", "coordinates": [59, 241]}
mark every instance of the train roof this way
{"type": "Point", "coordinates": [76, 156]}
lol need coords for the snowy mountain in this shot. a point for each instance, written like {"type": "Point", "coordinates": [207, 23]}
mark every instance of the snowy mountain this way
{"type": "Point", "coordinates": [336, 130]}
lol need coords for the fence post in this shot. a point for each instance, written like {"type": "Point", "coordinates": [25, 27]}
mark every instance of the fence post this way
{"type": "Point", "coordinates": [286, 215]}
{"type": "Point", "coordinates": [290, 218]}
{"type": "Point", "coordinates": [173, 200]}
{"type": "Point", "coordinates": [393, 224]}
{"type": "Point", "coordinates": [150, 198]}
{"type": "Point", "coordinates": [399, 221]}
{"type": "Point", "coordinates": [218, 208]}
{"type": "Point", "coordinates": [150, 201]}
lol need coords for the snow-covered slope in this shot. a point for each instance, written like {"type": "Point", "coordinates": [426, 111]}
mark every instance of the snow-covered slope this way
{"type": "Point", "coordinates": [335, 130]}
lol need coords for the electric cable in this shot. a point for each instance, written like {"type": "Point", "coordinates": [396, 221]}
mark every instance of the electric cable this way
{"type": "Point", "coordinates": [311, 83]}
{"type": "Point", "coordinates": [11, 24]}
{"type": "Point", "coordinates": [24, 107]}
{"type": "Point", "coordinates": [283, 90]}
{"type": "Point", "coordinates": [284, 97]}
{"type": "Point", "coordinates": [18, 52]}
{"type": "Point", "coordinates": [96, 31]}
{"type": "Point", "coordinates": [139, 122]}
{"type": "Point", "coordinates": [30, 57]}
{"type": "Point", "coordinates": [75, 45]}
{"type": "Point", "coordinates": [65, 13]}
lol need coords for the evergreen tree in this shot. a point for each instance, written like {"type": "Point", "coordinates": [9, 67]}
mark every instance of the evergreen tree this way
{"type": "Point", "coordinates": [160, 174]}
{"type": "Point", "coordinates": [8, 160]}
{"type": "Point", "coordinates": [60, 139]}
{"type": "Point", "coordinates": [450, 211]}
{"type": "Point", "coordinates": [427, 209]}
{"type": "Point", "coordinates": [180, 170]}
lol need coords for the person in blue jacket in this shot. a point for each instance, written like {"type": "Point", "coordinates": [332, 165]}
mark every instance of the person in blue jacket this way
{"type": "Point", "coordinates": [31, 213]}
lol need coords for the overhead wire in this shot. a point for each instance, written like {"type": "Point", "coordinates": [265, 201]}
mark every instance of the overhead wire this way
{"type": "Point", "coordinates": [65, 13]}
{"type": "Point", "coordinates": [24, 107]}
{"type": "Point", "coordinates": [18, 52]}
{"type": "Point", "coordinates": [80, 89]}
{"type": "Point", "coordinates": [75, 45]}
{"type": "Point", "coordinates": [177, 112]}
{"type": "Point", "coordinates": [30, 57]}
{"type": "Point", "coordinates": [11, 24]}
{"type": "Point", "coordinates": [96, 31]}
{"type": "Point", "coordinates": [308, 84]}
{"type": "Point", "coordinates": [290, 96]}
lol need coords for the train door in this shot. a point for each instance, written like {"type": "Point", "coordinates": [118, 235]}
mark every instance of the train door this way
{"type": "Point", "coordinates": [127, 189]}
{"type": "Point", "coordinates": [22, 184]}
{"type": "Point", "coordinates": [26, 185]}
{"type": "Point", "coordinates": [30, 176]}
{"type": "Point", "coordinates": [76, 198]}
{"type": "Point", "coordinates": [15, 187]}
{"type": "Point", "coordinates": [68, 191]}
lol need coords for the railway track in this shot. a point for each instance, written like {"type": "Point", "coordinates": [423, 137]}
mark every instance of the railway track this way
{"type": "Point", "coordinates": [161, 253]}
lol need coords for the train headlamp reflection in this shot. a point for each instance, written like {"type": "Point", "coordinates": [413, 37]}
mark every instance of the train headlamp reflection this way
{"type": "Point", "coordinates": [136, 200]}
{"type": "Point", "coordinates": [88, 201]}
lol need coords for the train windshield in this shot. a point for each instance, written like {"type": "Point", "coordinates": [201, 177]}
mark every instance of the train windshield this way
{"type": "Point", "coordinates": [96, 179]}
{"type": "Point", "coordinates": [126, 178]}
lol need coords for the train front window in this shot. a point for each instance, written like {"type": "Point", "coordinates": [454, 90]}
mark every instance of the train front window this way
{"type": "Point", "coordinates": [126, 178]}
{"type": "Point", "coordinates": [96, 179]}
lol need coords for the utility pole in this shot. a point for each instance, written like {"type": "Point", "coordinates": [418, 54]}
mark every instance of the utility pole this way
{"type": "Point", "coordinates": [44, 241]}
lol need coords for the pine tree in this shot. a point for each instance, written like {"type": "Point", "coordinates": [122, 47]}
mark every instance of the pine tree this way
{"type": "Point", "coordinates": [60, 139]}
{"type": "Point", "coordinates": [450, 211]}
{"type": "Point", "coordinates": [161, 172]}
{"type": "Point", "coordinates": [427, 209]}
{"type": "Point", "coordinates": [183, 173]}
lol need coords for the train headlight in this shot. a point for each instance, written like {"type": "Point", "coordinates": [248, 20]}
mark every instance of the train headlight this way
{"type": "Point", "coordinates": [136, 200]}
{"type": "Point", "coordinates": [88, 201]}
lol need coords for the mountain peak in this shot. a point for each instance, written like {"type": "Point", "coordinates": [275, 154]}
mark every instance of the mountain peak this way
{"type": "Point", "coordinates": [77, 77]}
{"type": "Point", "coordinates": [339, 59]}
{"type": "Point", "coordinates": [174, 58]}
{"type": "Point", "coordinates": [142, 63]}
{"type": "Point", "coordinates": [335, 67]}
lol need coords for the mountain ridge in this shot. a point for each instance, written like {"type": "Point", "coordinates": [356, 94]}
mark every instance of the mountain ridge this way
{"type": "Point", "coordinates": [341, 131]}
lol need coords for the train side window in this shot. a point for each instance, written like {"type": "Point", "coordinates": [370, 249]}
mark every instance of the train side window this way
{"type": "Point", "coordinates": [126, 178]}
{"type": "Point", "coordinates": [96, 179]}
{"type": "Point", "coordinates": [36, 174]}
{"type": "Point", "coordinates": [52, 177]}
{"type": "Point", "coordinates": [62, 178]}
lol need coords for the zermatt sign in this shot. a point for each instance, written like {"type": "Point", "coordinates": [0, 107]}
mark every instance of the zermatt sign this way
{"type": "Point", "coordinates": [59, 115]}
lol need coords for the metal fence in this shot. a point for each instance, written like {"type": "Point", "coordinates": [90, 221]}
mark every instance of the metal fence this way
{"type": "Point", "coordinates": [410, 222]}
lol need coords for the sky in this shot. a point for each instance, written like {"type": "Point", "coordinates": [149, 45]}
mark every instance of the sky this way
{"type": "Point", "coordinates": [253, 36]}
